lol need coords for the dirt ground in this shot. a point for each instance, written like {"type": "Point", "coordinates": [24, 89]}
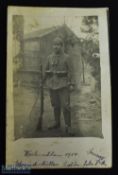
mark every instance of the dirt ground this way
{"type": "Point", "coordinates": [85, 114]}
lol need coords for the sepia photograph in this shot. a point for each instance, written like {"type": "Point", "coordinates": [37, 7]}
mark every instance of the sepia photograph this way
{"type": "Point", "coordinates": [58, 87]}
{"type": "Point", "coordinates": [56, 78]}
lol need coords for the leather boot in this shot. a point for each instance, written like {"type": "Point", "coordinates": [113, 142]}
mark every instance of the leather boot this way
{"type": "Point", "coordinates": [57, 113]}
{"type": "Point", "coordinates": [67, 117]}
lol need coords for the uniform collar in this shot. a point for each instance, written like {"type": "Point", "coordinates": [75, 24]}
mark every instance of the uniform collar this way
{"type": "Point", "coordinates": [58, 55]}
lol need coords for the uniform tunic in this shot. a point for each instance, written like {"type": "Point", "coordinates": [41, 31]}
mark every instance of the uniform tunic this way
{"type": "Point", "coordinates": [59, 71]}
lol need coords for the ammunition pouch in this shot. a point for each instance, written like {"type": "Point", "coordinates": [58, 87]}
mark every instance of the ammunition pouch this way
{"type": "Point", "coordinates": [61, 73]}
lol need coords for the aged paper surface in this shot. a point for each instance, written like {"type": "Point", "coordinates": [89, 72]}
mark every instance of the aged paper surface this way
{"type": "Point", "coordinates": [30, 36]}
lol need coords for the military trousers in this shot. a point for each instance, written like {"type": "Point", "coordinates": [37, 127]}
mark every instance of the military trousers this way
{"type": "Point", "coordinates": [60, 100]}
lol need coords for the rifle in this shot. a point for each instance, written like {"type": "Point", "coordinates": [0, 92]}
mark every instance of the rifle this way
{"type": "Point", "coordinates": [40, 122]}
{"type": "Point", "coordinates": [41, 94]}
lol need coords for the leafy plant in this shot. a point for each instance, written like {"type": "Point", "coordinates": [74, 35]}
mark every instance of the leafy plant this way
{"type": "Point", "coordinates": [90, 45]}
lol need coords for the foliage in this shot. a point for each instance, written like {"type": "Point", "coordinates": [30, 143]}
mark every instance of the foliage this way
{"type": "Point", "coordinates": [18, 27]}
{"type": "Point", "coordinates": [89, 24]}
{"type": "Point", "coordinates": [90, 45]}
{"type": "Point", "coordinates": [18, 32]}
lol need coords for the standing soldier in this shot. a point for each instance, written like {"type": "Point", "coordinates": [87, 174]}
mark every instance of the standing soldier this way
{"type": "Point", "coordinates": [59, 78]}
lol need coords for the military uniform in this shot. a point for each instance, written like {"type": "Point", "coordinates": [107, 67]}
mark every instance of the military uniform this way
{"type": "Point", "coordinates": [59, 75]}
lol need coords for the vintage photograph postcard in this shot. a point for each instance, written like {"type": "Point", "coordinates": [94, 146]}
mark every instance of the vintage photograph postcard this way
{"type": "Point", "coordinates": [58, 105]}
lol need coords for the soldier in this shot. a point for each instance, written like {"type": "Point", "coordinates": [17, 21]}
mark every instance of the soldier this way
{"type": "Point", "coordinates": [59, 78]}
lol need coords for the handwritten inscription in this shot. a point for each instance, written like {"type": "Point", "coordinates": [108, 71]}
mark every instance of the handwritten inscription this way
{"type": "Point", "coordinates": [38, 164]}
{"type": "Point", "coordinates": [92, 152]}
{"type": "Point", "coordinates": [30, 153]}
{"type": "Point", "coordinates": [71, 164]}
{"type": "Point", "coordinates": [68, 159]}
{"type": "Point", "coordinates": [90, 163]}
{"type": "Point", "coordinates": [99, 159]}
